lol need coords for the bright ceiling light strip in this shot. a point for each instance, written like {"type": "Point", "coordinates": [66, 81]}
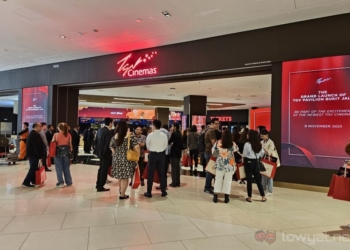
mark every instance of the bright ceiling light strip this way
{"type": "Point", "coordinates": [127, 99]}
{"type": "Point", "coordinates": [127, 103]}
{"type": "Point", "coordinates": [82, 100]}
{"type": "Point", "coordinates": [215, 104]}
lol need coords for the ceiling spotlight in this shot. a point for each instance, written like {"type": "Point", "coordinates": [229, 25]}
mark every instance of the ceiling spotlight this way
{"type": "Point", "coordinates": [138, 20]}
{"type": "Point", "coordinates": [215, 104]}
{"type": "Point", "coordinates": [63, 37]}
{"type": "Point", "coordinates": [166, 13]}
{"type": "Point", "coordinates": [151, 17]}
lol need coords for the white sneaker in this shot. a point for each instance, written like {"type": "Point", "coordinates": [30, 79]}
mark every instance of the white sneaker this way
{"type": "Point", "coordinates": [60, 185]}
{"type": "Point", "coordinates": [269, 194]}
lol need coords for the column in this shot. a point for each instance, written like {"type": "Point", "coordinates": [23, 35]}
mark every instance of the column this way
{"type": "Point", "coordinates": [195, 105]}
{"type": "Point", "coordinates": [65, 106]}
{"type": "Point", "coordinates": [162, 114]}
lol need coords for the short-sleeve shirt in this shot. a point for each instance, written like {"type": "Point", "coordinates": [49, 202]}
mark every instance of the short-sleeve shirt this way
{"type": "Point", "coordinates": [61, 139]}
{"type": "Point", "coordinates": [209, 135]}
{"type": "Point", "coordinates": [141, 139]}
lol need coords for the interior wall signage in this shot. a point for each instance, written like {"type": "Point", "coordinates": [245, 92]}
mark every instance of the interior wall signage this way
{"type": "Point", "coordinates": [128, 68]}
{"type": "Point", "coordinates": [34, 104]}
{"type": "Point", "coordinates": [223, 118]}
{"type": "Point", "coordinates": [316, 114]}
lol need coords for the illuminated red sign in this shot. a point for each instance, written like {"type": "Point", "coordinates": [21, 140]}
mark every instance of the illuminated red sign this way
{"type": "Point", "coordinates": [223, 118]}
{"type": "Point", "coordinates": [129, 69]}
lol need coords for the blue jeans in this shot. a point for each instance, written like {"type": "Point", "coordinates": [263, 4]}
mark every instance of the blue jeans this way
{"type": "Point", "coordinates": [209, 177]}
{"type": "Point", "coordinates": [62, 164]}
{"type": "Point", "coordinates": [266, 181]}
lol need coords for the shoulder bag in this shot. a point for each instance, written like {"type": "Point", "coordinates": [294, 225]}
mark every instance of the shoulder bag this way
{"type": "Point", "coordinates": [260, 165]}
{"type": "Point", "coordinates": [132, 155]}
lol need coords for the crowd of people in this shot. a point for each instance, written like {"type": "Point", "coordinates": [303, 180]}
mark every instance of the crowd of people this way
{"type": "Point", "coordinates": [164, 146]}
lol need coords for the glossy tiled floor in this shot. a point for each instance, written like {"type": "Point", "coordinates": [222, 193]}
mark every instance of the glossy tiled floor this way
{"type": "Point", "coordinates": [77, 217]}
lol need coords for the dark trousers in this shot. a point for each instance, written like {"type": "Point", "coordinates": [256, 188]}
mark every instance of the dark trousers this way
{"type": "Point", "coordinates": [33, 166]}
{"type": "Point", "coordinates": [75, 153]}
{"type": "Point", "coordinates": [105, 161]}
{"type": "Point", "coordinates": [141, 166]}
{"type": "Point", "coordinates": [87, 147]}
{"type": "Point", "coordinates": [156, 161]}
{"type": "Point", "coordinates": [166, 168]}
{"type": "Point", "coordinates": [175, 171]}
{"type": "Point", "coordinates": [194, 156]}
{"type": "Point", "coordinates": [250, 166]}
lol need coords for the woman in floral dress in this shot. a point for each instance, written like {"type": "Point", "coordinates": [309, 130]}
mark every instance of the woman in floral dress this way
{"type": "Point", "coordinates": [123, 169]}
{"type": "Point", "coordinates": [225, 165]}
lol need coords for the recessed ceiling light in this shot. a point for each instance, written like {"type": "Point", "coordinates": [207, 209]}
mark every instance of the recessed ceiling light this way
{"type": "Point", "coordinates": [62, 36]}
{"type": "Point", "coordinates": [126, 103]}
{"type": "Point", "coordinates": [166, 13]}
{"type": "Point", "coordinates": [151, 17]}
{"type": "Point", "coordinates": [138, 20]}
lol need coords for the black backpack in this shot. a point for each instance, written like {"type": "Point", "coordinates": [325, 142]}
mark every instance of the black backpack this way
{"type": "Point", "coordinates": [201, 142]}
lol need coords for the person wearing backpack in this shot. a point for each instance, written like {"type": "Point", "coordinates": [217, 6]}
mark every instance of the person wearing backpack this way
{"type": "Point", "coordinates": [192, 144]}
{"type": "Point", "coordinates": [209, 140]}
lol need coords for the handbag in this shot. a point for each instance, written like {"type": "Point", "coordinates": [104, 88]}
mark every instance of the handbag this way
{"type": "Point", "coordinates": [136, 180]}
{"type": "Point", "coordinates": [260, 165]}
{"type": "Point", "coordinates": [240, 173]}
{"type": "Point", "coordinates": [40, 175]}
{"type": "Point", "coordinates": [211, 166]}
{"type": "Point", "coordinates": [132, 155]}
{"type": "Point", "coordinates": [52, 150]}
{"type": "Point", "coordinates": [270, 167]}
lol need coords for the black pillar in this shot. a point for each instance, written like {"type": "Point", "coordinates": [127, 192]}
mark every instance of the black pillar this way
{"type": "Point", "coordinates": [162, 114]}
{"type": "Point", "coordinates": [195, 105]}
{"type": "Point", "coordinates": [65, 106]}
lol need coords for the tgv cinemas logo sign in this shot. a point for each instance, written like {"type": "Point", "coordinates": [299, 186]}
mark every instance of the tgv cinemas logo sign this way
{"type": "Point", "coordinates": [138, 68]}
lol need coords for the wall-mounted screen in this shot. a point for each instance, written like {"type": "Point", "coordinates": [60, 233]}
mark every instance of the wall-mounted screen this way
{"type": "Point", "coordinates": [35, 104]}
{"type": "Point", "coordinates": [315, 112]}
{"type": "Point", "coordinates": [184, 122]}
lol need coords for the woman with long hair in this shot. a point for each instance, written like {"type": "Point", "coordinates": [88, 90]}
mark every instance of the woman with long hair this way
{"type": "Point", "coordinates": [224, 150]}
{"type": "Point", "coordinates": [252, 152]}
{"type": "Point", "coordinates": [122, 168]}
{"type": "Point", "coordinates": [63, 150]}
{"type": "Point", "coordinates": [192, 144]}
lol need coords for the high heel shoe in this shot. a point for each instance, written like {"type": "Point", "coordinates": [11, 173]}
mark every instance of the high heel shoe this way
{"type": "Point", "coordinates": [227, 198]}
{"type": "Point", "coordinates": [215, 198]}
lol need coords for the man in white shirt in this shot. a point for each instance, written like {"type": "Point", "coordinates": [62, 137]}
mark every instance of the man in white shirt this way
{"type": "Point", "coordinates": [157, 143]}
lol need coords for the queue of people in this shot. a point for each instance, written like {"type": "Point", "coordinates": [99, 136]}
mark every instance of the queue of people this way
{"type": "Point", "coordinates": [164, 146]}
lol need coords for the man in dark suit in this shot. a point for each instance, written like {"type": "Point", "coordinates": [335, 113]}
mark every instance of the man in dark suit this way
{"type": "Point", "coordinates": [104, 136]}
{"type": "Point", "coordinates": [35, 153]}
{"type": "Point", "coordinates": [75, 143]}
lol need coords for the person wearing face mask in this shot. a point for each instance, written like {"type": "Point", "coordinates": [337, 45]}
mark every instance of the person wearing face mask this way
{"type": "Point", "coordinates": [270, 150]}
